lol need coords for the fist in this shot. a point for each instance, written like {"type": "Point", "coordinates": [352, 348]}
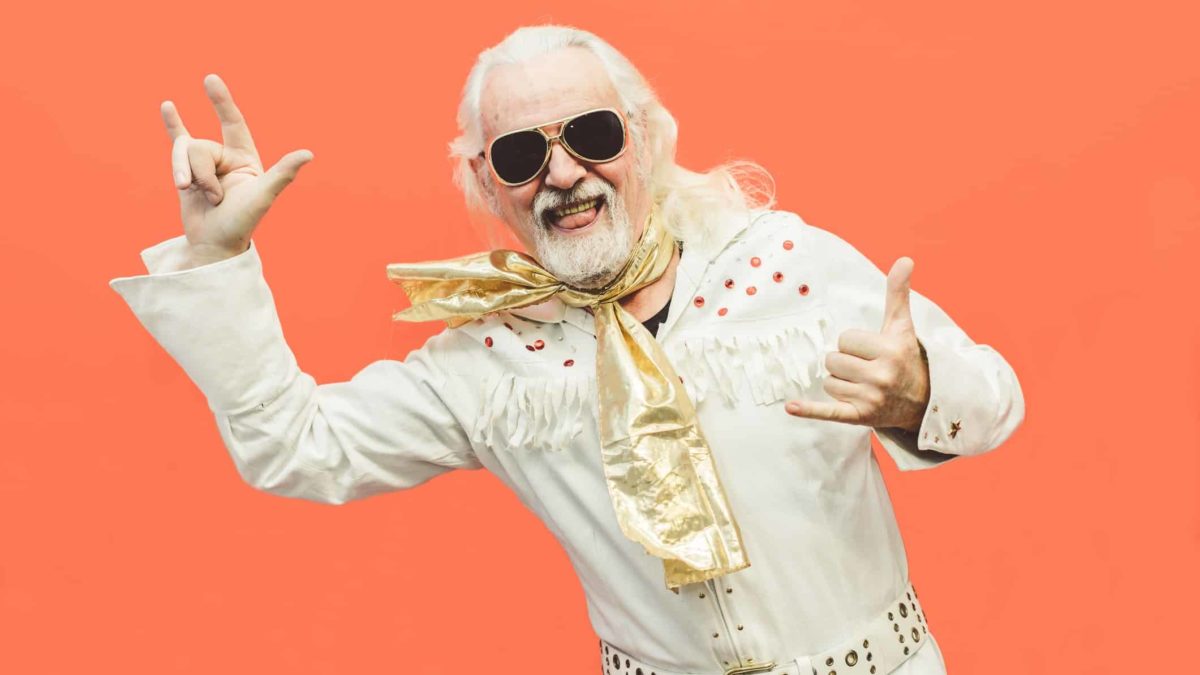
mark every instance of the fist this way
{"type": "Point", "coordinates": [877, 379]}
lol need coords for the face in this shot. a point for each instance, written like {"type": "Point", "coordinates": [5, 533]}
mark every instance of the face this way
{"type": "Point", "coordinates": [584, 248]}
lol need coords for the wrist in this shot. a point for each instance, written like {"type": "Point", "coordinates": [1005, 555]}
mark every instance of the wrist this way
{"type": "Point", "coordinates": [199, 255]}
{"type": "Point", "coordinates": [921, 405]}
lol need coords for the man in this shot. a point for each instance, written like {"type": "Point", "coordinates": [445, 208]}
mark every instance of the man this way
{"type": "Point", "coordinates": [679, 381]}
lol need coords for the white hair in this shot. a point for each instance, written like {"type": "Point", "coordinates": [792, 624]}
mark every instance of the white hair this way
{"type": "Point", "coordinates": [694, 206]}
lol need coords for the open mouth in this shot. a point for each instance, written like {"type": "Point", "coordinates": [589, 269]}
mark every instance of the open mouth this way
{"type": "Point", "coordinates": [576, 215]}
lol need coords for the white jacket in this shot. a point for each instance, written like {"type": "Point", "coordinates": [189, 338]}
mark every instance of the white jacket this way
{"type": "Point", "coordinates": [515, 393]}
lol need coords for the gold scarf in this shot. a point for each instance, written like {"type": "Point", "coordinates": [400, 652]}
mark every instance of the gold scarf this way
{"type": "Point", "coordinates": [658, 467]}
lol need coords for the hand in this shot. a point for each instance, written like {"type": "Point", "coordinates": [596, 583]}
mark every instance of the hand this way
{"type": "Point", "coordinates": [223, 190]}
{"type": "Point", "coordinates": [879, 379]}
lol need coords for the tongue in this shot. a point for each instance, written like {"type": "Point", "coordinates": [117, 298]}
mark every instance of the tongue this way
{"type": "Point", "coordinates": [577, 220]}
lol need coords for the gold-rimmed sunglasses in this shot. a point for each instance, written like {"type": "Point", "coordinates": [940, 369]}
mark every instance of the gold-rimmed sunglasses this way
{"type": "Point", "coordinates": [517, 157]}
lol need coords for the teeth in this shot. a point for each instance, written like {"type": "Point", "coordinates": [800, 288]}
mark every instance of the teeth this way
{"type": "Point", "coordinates": [559, 213]}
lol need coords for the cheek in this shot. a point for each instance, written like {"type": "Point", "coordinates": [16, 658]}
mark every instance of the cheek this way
{"type": "Point", "coordinates": [518, 201]}
{"type": "Point", "coordinates": [516, 205]}
{"type": "Point", "coordinates": [622, 173]}
{"type": "Point", "coordinates": [619, 172]}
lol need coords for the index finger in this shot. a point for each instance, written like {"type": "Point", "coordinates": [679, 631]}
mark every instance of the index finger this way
{"type": "Point", "coordinates": [234, 132]}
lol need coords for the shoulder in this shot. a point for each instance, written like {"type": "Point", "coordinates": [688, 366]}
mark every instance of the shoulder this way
{"type": "Point", "coordinates": [765, 225]}
{"type": "Point", "coordinates": [772, 229]}
{"type": "Point", "coordinates": [769, 236]}
{"type": "Point", "coordinates": [781, 265]}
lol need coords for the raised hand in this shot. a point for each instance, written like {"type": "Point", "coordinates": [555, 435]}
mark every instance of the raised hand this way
{"type": "Point", "coordinates": [223, 190]}
{"type": "Point", "coordinates": [878, 379]}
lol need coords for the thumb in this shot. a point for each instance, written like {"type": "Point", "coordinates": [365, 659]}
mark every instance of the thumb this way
{"type": "Point", "coordinates": [283, 172]}
{"type": "Point", "coordinates": [896, 311]}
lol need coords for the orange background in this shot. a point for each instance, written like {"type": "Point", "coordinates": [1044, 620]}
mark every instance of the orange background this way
{"type": "Point", "coordinates": [1039, 162]}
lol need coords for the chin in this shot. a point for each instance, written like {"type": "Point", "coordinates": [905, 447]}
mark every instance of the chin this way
{"type": "Point", "coordinates": [579, 268]}
{"type": "Point", "coordinates": [591, 254]}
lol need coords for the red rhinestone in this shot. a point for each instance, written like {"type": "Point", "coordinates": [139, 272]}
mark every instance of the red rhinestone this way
{"type": "Point", "coordinates": [488, 341]}
{"type": "Point", "coordinates": [539, 344]}
{"type": "Point", "coordinates": [787, 245]}
{"type": "Point", "coordinates": [750, 290]}
{"type": "Point", "coordinates": [722, 312]}
{"type": "Point", "coordinates": [803, 289]}
{"type": "Point", "coordinates": [529, 347]}
{"type": "Point", "coordinates": [699, 301]}
{"type": "Point", "coordinates": [755, 261]}
{"type": "Point", "coordinates": [778, 276]}
{"type": "Point", "coordinates": [729, 283]}
{"type": "Point", "coordinates": [569, 362]}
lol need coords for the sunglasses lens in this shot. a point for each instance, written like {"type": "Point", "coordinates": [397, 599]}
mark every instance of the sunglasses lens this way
{"type": "Point", "coordinates": [597, 136]}
{"type": "Point", "coordinates": [517, 157]}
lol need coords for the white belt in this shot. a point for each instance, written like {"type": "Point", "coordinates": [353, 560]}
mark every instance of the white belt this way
{"type": "Point", "coordinates": [878, 647]}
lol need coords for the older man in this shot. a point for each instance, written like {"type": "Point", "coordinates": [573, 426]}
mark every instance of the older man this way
{"type": "Point", "coordinates": [680, 382]}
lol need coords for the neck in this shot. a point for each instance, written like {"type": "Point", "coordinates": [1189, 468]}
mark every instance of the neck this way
{"type": "Point", "coordinates": [647, 301]}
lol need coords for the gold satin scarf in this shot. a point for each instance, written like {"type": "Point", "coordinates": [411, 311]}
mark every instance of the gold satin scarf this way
{"type": "Point", "coordinates": [658, 467]}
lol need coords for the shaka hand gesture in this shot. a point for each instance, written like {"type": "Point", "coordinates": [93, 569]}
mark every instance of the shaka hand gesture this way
{"type": "Point", "coordinates": [878, 379]}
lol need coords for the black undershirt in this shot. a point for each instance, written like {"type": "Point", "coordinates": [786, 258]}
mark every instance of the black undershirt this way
{"type": "Point", "coordinates": [655, 321]}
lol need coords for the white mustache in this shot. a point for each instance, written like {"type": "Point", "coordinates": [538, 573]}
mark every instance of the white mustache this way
{"type": "Point", "coordinates": [545, 202]}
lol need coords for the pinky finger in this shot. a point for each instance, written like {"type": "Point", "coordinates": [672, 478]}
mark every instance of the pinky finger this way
{"type": "Point", "coordinates": [835, 411]}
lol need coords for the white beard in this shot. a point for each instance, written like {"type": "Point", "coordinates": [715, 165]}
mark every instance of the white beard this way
{"type": "Point", "coordinates": [589, 260]}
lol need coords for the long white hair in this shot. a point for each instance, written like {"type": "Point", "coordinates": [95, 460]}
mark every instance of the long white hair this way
{"type": "Point", "coordinates": [694, 206]}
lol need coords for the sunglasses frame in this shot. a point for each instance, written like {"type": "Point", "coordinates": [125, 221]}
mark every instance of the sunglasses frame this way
{"type": "Point", "coordinates": [550, 140]}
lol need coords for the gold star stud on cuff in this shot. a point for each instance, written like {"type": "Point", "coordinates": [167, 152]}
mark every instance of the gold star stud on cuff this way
{"type": "Point", "coordinates": [955, 427]}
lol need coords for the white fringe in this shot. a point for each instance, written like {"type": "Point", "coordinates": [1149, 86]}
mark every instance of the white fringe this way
{"type": "Point", "coordinates": [547, 413]}
{"type": "Point", "coordinates": [772, 367]}
{"type": "Point", "coordinates": [534, 413]}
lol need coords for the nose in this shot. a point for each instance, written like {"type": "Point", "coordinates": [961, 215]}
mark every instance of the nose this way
{"type": "Point", "coordinates": [564, 171]}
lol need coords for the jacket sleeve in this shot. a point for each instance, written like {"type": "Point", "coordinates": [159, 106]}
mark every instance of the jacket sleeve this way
{"type": "Point", "coordinates": [387, 428]}
{"type": "Point", "coordinates": [975, 400]}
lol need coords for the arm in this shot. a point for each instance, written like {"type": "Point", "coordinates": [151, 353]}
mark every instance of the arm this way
{"type": "Point", "coordinates": [975, 400]}
{"type": "Point", "coordinates": [385, 429]}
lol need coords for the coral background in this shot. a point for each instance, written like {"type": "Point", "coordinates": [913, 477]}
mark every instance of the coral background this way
{"type": "Point", "coordinates": [1038, 161]}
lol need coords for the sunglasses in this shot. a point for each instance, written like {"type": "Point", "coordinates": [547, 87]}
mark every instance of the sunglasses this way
{"type": "Point", "coordinates": [517, 157]}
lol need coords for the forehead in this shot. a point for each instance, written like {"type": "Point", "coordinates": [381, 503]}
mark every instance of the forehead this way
{"type": "Point", "coordinates": [546, 88]}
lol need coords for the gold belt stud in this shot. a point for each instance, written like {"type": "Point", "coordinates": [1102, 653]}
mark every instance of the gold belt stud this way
{"type": "Point", "coordinates": [757, 668]}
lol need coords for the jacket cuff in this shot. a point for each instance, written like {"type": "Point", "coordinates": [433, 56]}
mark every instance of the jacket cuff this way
{"type": "Point", "coordinates": [218, 321]}
{"type": "Point", "coordinates": [901, 445]}
{"type": "Point", "coordinates": [960, 411]}
{"type": "Point", "coordinates": [915, 450]}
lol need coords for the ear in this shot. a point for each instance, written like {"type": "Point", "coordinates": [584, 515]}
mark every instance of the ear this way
{"type": "Point", "coordinates": [484, 187]}
{"type": "Point", "coordinates": [477, 166]}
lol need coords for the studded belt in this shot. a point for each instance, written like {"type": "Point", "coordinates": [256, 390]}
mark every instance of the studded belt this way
{"type": "Point", "coordinates": [879, 646]}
